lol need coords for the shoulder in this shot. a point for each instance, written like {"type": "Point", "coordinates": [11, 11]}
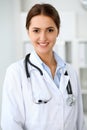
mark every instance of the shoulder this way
{"type": "Point", "coordinates": [70, 68]}
{"type": "Point", "coordinates": [15, 68]}
{"type": "Point", "coordinates": [14, 75]}
{"type": "Point", "coordinates": [72, 73]}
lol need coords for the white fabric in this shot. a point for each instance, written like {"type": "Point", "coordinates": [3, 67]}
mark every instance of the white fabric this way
{"type": "Point", "coordinates": [20, 110]}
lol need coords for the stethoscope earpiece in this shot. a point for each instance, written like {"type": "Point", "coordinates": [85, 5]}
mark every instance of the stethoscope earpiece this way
{"type": "Point", "coordinates": [40, 101]}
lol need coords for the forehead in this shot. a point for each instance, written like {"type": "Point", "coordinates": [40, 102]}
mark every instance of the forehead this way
{"type": "Point", "coordinates": [42, 21]}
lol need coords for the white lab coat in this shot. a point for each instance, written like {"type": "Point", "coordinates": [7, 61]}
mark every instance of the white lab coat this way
{"type": "Point", "coordinates": [20, 110]}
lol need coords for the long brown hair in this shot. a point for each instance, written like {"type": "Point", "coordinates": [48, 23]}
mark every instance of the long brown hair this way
{"type": "Point", "coordinates": [44, 9]}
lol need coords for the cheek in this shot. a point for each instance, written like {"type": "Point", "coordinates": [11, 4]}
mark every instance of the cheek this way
{"type": "Point", "coordinates": [32, 38]}
{"type": "Point", "coordinates": [53, 36]}
{"type": "Point", "coordinates": [53, 39]}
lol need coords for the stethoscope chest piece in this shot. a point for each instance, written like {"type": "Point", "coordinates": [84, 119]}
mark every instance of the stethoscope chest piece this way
{"type": "Point", "coordinates": [71, 100]}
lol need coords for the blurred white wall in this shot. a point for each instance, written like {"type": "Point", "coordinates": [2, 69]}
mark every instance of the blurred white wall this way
{"type": "Point", "coordinates": [10, 41]}
{"type": "Point", "coordinates": [68, 5]}
{"type": "Point", "coordinates": [11, 46]}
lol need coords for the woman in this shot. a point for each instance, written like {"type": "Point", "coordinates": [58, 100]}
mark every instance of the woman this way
{"type": "Point", "coordinates": [41, 92]}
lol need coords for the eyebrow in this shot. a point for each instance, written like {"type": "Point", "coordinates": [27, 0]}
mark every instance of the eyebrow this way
{"type": "Point", "coordinates": [46, 28]}
{"type": "Point", "coordinates": [50, 27]}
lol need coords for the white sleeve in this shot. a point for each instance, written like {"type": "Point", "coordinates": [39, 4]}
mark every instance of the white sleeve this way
{"type": "Point", "coordinates": [80, 121]}
{"type": "Point", "coordinates": [12, 115]}
{"type": "Point", "coordinates": [80, 115]}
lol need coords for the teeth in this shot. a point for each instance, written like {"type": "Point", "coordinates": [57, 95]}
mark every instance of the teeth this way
{"type": "Point", "coordinates": [43, 44]}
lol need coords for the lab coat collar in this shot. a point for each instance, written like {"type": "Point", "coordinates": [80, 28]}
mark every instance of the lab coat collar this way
{"type": "Point", "coordinates": [34, 58]}
{"type": "Point", "coordinates": [60, 63]}
{"type": "Point", "coordinates": [64, 78]}
{"type": "Point", "coordinates": [36, 61]}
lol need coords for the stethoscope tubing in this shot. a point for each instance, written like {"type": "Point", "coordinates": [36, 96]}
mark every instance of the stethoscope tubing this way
{"type": "Point", "coordinates": [27, 60]}
{"type": "Point", "coordinates": [69, 88]}
{"type": "Point", "coordinates": [26, 66]}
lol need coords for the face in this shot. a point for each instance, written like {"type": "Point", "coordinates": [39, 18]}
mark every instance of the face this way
{"type": "Point", "coordinates": [42, 33]}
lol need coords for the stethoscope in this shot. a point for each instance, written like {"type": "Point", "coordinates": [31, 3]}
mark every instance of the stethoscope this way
{"type": "Point", "coordinates": [71, 98]}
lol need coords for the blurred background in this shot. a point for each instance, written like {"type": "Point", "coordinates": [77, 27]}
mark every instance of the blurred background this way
{"type": "Point", "coordinates": [71, 44]}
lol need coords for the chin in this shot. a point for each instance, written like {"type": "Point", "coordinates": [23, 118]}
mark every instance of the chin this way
{"type": "Point", "coordinates": [44, 52]}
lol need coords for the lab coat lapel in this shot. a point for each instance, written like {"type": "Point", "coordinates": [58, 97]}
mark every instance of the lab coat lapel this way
{"type": "Point", "coordinates": [35, 61]}
{"type": "Point", "coordinates": [43, 90]}
{"type": "Point", "coordinates": [63, 82]}
{"type": "Point", "coordinates": [40, 91]}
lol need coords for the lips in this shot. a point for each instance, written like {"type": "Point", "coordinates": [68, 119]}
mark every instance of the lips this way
{"type": "Point", "coordinates": [43, 44]}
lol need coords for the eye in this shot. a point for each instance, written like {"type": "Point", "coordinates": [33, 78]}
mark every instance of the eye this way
{"type": "Point", "coordinates": [50, 30]}
{"type": "Point", "coordinates": [36, 30]}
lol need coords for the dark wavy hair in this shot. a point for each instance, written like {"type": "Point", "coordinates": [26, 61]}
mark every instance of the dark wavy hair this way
{"type": "Point", "coordinates": [44, 9]}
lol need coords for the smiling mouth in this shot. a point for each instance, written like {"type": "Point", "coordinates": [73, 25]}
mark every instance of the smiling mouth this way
{"type": "Point", "coordinates": [43, 44]}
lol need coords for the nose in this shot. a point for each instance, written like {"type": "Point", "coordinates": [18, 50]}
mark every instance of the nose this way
{"type": "Point", "coordinates": [43, 36]}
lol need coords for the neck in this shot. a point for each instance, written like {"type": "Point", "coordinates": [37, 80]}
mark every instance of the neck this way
{"type": "Point", "coordinates": [50, 61]}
